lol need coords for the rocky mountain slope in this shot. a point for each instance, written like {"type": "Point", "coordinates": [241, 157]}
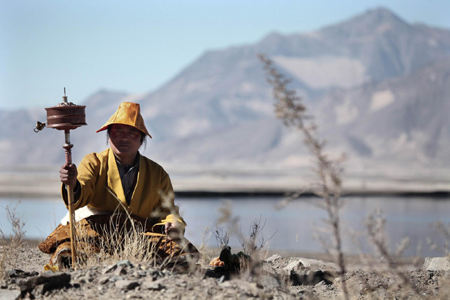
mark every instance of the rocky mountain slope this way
{"type": "Point", "coordinates": [376, 84]}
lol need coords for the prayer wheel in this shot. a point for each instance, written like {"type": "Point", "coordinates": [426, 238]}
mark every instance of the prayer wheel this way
{"type": "Point", "coordinates": [66, 116]}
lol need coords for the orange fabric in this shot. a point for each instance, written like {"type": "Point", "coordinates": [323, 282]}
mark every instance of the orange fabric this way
{"type": "Point", "coordinates": [128, 113]}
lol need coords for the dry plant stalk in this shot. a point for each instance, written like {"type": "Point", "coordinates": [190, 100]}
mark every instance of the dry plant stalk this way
{"type": "Point", "coordinates": [8, 246]}
{"type": "Point", "coordinates": [290, 109]}
{"type": "Point", "coordinates": [444, 232]}
{"type": "Point", "coordinates": [375, 225]}
{"type": "Point", "coordinates": [253, 245]}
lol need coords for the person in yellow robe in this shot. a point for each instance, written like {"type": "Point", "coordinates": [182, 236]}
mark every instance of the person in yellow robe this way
{"type": "Point", "coordinates": [120, 182]}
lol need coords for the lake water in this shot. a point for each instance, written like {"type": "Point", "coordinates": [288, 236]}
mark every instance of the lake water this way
{"type": "Point", "coordinates": [287, 229]}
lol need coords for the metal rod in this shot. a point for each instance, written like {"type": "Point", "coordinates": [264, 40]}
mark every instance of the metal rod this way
{"type": "Point", "coordinates": [65, 97]}
{"type": "Point", "coordinates": [68, 146]}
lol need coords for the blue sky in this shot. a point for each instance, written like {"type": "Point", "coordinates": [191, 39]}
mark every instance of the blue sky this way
{"type": "Point", "coordinates": [136, 46]}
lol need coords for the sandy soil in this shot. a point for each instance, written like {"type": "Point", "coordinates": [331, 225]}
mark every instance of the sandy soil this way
{"type": "Point", "coordinates": [277, 277]}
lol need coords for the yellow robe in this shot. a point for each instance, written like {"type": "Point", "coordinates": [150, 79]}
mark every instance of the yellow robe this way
{"type": "Point", "coordinates": [98, 171]}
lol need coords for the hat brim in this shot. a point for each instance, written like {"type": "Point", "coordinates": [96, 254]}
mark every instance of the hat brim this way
{"type": "Point", "coordinates": [106, 127]}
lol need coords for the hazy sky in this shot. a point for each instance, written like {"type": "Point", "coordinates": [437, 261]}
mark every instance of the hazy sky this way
{"type": "Point", "coordinates": [136, 46]}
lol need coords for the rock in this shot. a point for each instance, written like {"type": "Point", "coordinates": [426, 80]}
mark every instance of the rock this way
{"type": "Point", "coordinates": [43, 283]}
{"type": "Point", "coordinates": [115, 278]}
{"type": "Point", "coordinates": [273, 258]}
{"type": "Point", "coordinates": [268, 282]}
{"type": "Point", "coordinates": [140, 274]}
{"type": "Point", "coordinates": [14, 273]}
{"type": "Point", "coordinates": [9, 294]}
{"type": "Point", "coordinates": [436, 264]}
{"type": "Point", "coordinates": [17, 273]}
{"type": "Point", "coordinates": [311, 278]}
{"type": "Point", "coordinates": [312, 264]}
{"type": "Point", "coordinates": [156, 274]}
{"type": "Point", "coordinates": [120, 271]}
{"type": "Point", "coordinates": [133, 297]}
{"type": "Point", "coordinates": [249, 288]}
{"type": "Point", "coordinates": [126, 284]}
{"type": "Point", "coordinates": [109, 269]}
{"type": "Point", "coordinates": [152, 285]}
{"type": "Point", "coordinates": [125, 263]}
{"type": "Point", "coordinates": [104, 279]}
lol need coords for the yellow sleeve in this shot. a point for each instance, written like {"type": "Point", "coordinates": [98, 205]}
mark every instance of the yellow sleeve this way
{"type": "Point", "coordinates": [88, 172]}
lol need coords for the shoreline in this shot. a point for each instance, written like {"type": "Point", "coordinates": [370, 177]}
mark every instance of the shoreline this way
{"type": "Point", "coordinates": [27, 193]}
{"type": "Point", "coordinates": [35, 183]}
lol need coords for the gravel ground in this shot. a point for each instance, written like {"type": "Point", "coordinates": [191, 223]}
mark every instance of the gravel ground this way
{"type": "Point", "coordinates": [275, 278]}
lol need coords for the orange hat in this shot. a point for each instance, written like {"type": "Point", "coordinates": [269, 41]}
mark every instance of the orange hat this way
{"type": "Point", "coordinates": [128, 113]}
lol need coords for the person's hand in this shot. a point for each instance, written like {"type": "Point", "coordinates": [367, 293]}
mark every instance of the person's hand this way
{"type": "Point", "coordinates": [68, 174]}
{"type": "Point", "coordinates": [172, 231]}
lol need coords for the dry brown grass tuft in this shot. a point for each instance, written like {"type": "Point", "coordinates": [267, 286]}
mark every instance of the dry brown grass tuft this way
{"type": "Point", "coordinates": [9, 245]}
{"type": "Point", "coordinates": [119, 243]}
{"type": "Point", "coordinates": [124, 242]}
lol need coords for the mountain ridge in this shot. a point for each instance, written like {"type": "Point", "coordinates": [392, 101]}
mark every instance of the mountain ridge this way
{"type": "Point", "coordinates": [219, 108]}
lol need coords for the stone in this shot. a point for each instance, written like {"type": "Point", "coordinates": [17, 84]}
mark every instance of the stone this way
{"type": "Point", "coordinates": [125, 263]}
{"type": "Point", "coordinates": [45, 282]}
{"type": "Point", "coordinates": [17, 273]}
{"type": "Point", "coordinates": [156, 274]}
{"type": "Point", "coordinates": [268, 282]}
{"type": "Point", "coordinates": [311, 278]}
{"type": "Point", "coordinates": [9, 294]}
{"type": "Point", "coordinates": [312, 264]}
{"type": "Point", "coordinates": [126, 284]}
{"type": "Point", "coordinates": [249, 288]}
{"type": "Point", "coordinates": [14, 273]}
{"type": "Point", "coordinates": [104, 279]}
{"type": "Point", "coordinates": [115, 278]}
{"type": "Point", "coordinates": [134, 297]}
{"type": "Point", "coordinates": [140, 274]}
{"type": "Point", "coordinates": [273, 258]}
{"type": "Point", "coordinates": [120, 271]}
{"type": "Point", "coordinates": [109, 269]}
{"type": "Point", "coordinates": [436, 264]}
{"type": "Point", "coordinates": [152, 285]}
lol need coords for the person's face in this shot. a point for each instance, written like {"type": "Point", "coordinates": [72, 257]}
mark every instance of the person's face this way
{"type": "Point", "coordinates": [124, 139]}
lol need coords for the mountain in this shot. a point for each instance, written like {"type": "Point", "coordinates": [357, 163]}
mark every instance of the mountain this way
{"type": "Point", "coordinates": [376, 84]}
{"type": "Point", "coordinates": [403, 118]}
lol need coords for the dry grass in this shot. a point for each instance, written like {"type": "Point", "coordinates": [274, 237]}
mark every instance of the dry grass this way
{"type": "Point", "coordinates": [442, 246]}
{"type": "Point", "coordinates": [290, 109]}
{"type": "Point", "coordinates": [118, 243]}
{"type": "Point", "coordinates": [124, 238]}
{"type": "Point", "coordinates": [402, 285]}
{"type": "Point", "coordinates": [254, 245]}
{"type": "Point", "coordinates": [387, 278]}
{"type": "Point", "coordinates": [14, 242]}
{"type": "Point", "coordinates": [376, 231]}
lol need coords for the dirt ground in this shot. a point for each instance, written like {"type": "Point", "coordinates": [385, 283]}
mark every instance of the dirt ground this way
{"type": "Point", "coordinates": [276, 277]}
